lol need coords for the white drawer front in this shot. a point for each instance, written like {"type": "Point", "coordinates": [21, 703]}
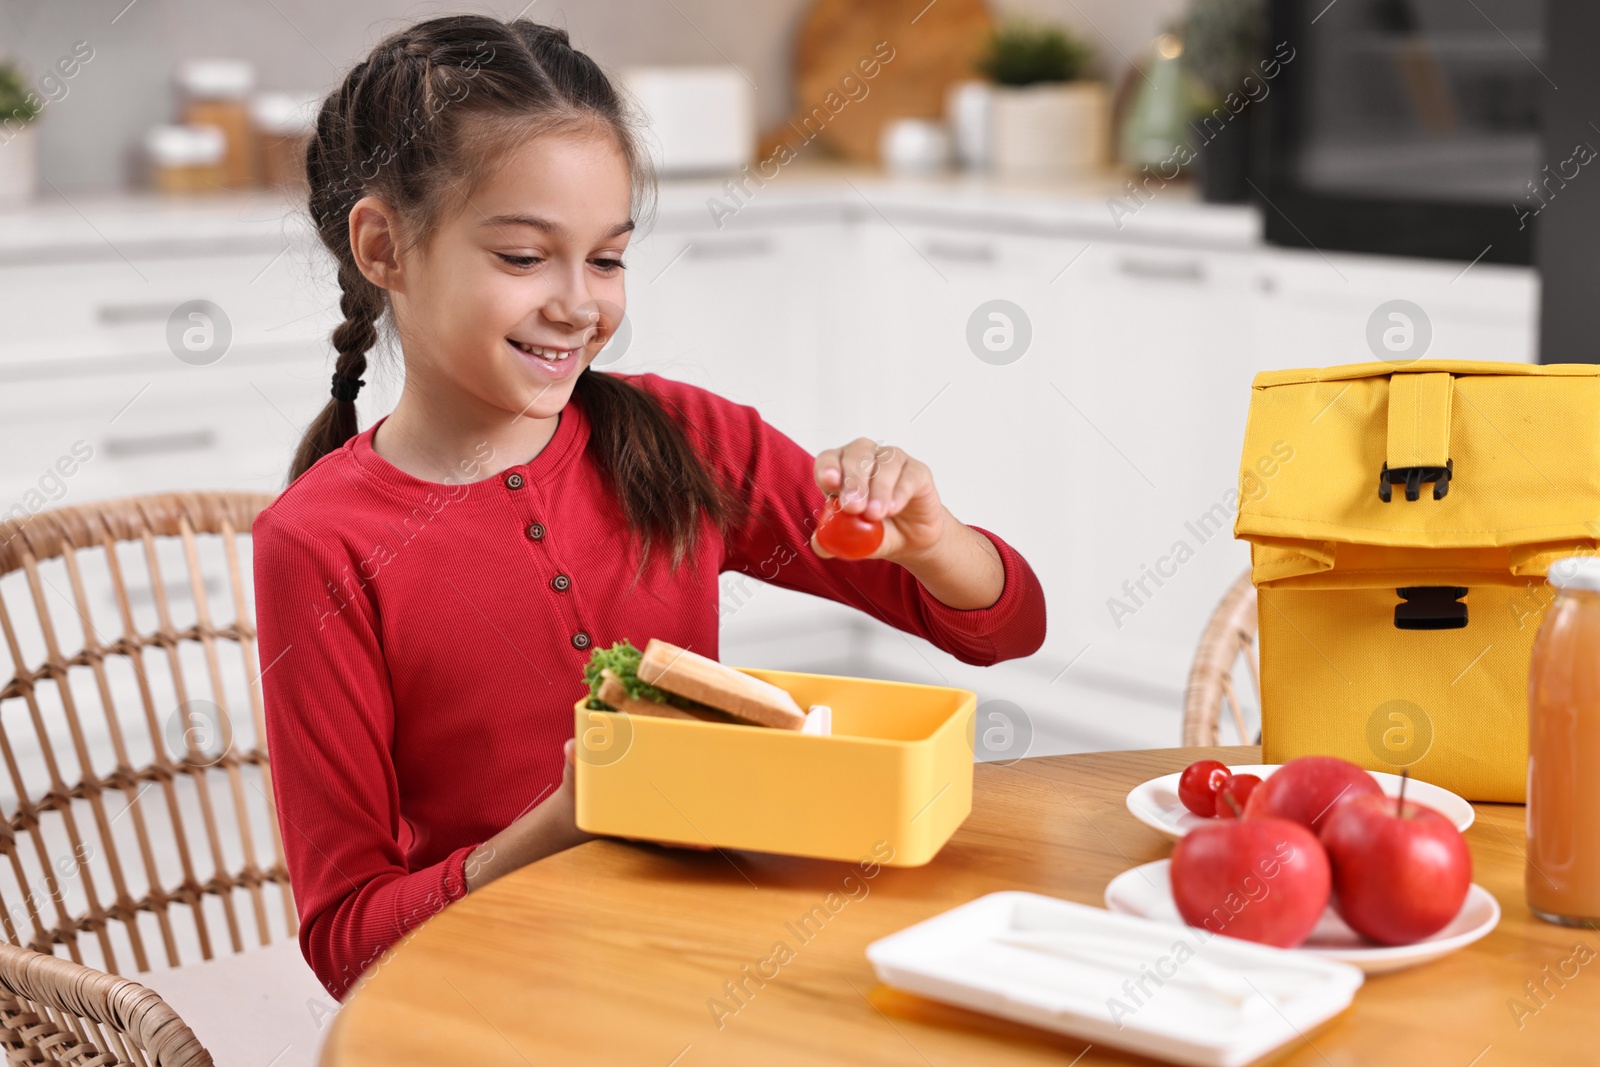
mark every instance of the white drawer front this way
{"type": "Point", "coordinates": [59, 312]}
{"type": "Point", "coordinates": [233, 425]}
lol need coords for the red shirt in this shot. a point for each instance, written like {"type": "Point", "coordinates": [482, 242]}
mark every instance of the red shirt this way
{"type": "Point", "coordinates": [423, 644]}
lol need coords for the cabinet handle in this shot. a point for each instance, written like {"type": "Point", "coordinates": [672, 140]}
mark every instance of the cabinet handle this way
{"type": "Point", "coordinates": [158, 443]}
{"type": "Point", "coordinates": [961, 253]}
{"type": "Point", "coordinates": [729, 249]}
{"type": "Point", "coordinates": [116, 314]}
{"type": "Point", "coordinates": [1186, 271]}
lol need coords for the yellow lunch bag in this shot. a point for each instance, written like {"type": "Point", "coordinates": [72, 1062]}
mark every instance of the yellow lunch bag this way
{"type": "Point", "coordinates": [1401, 517]}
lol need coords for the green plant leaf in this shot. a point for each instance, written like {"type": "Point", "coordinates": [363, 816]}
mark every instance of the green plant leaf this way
{"type": "Point", "coordinates": [1025, 53]}
{"type": "Point", "coordinates": [15, 105]}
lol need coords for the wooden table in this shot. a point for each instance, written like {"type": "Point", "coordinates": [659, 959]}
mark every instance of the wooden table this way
{"type": "Point", "coordinates": [614, 953]}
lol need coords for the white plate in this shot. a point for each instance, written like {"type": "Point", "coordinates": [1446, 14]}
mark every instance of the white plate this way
{"type": "Point", "coordinates": [1146, 892]}
{"type": "Point", "coordinates": [969, 956]}
{"type": "Point", "coordinates": [1156, 803]}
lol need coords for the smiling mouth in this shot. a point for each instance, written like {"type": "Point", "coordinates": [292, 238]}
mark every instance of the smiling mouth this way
{"type": "Point", "coordinates": [549, 355]}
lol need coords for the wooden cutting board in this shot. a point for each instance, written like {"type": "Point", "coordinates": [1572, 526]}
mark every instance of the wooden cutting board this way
{"type": "Point", "coordinates": [933, 46]}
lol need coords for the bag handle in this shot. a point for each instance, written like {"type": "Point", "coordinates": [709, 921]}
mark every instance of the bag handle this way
{"type": "Point", "coordinates": [1419, 435]}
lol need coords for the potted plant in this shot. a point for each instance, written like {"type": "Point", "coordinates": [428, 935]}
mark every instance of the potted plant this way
{"type": "Point", "coordinates": [18, 109]}
{"type": "Point", "coordinates": [1049, 119]}
{"type": "Point", "coordinates": [1223, 40]}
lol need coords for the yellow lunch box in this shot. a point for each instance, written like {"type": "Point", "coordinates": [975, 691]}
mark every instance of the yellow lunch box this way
{"type": "Point", "coordinates": [890, 784]}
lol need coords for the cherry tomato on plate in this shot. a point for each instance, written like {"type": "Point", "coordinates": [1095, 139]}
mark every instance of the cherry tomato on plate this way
{"type": "Point", "coordinates": [1233, 794]}
{"type": "Point", "coordinates": [846, 534]}
{"type": "Point", "coordinates": [1198, 785]}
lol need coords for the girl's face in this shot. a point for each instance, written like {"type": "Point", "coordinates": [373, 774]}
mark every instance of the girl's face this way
{"type": "Point", "coordinates": [521, 287]}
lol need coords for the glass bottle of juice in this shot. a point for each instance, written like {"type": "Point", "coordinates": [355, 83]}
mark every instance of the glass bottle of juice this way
{"type": "Point", "coordinates": [1563, 874]}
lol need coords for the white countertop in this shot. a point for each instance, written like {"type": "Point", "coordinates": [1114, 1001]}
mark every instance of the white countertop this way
{"type": "Point", "coordinates": [91, 224]}
{"type": "Point", "coordinates": [1172, 213]}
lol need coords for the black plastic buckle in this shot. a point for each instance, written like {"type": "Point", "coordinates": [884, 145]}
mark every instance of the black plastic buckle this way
{"type": "Point", "coordinates": [1431, 607]}
{"type": "Point", "coordinates": [1414, 477]}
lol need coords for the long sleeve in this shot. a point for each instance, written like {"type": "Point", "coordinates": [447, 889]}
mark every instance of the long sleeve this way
{"type": "Point", "coordinates": [330, 722]}
{"type": "Point", "coordinates": [773, 545]}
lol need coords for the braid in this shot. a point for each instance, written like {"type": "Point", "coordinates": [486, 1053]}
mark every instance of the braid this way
{"type": "Point", "coordinates": [334, 165]}
{"type": "Point", "coordinates": [362, 304]}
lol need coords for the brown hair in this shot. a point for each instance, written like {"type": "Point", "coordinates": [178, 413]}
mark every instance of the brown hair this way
{"type": "Point", "coordinates": [418, 123]}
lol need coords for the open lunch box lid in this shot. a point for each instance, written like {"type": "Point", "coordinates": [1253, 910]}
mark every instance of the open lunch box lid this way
{"type": "Point", "coordinates": [1370, 473]}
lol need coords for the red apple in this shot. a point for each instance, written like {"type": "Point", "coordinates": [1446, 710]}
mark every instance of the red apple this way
{"type": "Point", "coordinates": [1235, 794]}
{"type": "Point", "coordinates": [1198, 785]}
{"type": "Point", "coordinates": [1264, 880]}
{"type": "Point", "coordinates": [1304, 790]}
{"type": "Point", "coordinates": [1400, 874]}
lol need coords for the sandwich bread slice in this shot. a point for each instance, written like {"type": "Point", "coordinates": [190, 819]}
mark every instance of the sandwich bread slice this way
{"type": "Point", "coordinates": [705, 681]}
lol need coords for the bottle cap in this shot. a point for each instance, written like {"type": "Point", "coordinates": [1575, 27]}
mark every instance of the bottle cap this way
{"type": "Point", "coordinates": [1575, 572]}
{"type": "Point", "coordinates": [287, 114]}
{"type": "Point", "coordinates": [184, 146]}
{"type": "Point", "coordinates": [217, 79]}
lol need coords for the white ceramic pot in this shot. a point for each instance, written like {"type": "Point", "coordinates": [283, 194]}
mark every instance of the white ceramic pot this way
{"type": "Point", "coordinates": [18, 167]}
{"type": "Point", "coordinates": [1051, 130]}
{"type": "Point", "coordinates": [914, 146]}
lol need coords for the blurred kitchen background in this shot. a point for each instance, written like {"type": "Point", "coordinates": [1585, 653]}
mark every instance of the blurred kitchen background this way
{"type": "Point", "coordinates": [1043, 246]}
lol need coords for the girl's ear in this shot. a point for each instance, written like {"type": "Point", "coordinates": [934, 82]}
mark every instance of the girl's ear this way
{"type": "Point", "coordinates": [375, 242]}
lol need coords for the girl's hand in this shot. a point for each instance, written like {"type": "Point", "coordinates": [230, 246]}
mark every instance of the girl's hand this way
{"type": "Point", "coordinates": [548, 828]}
{"type": "Point", "coordinates": [881, 482]}
{"type": "Point", "coordinates": [959, 566]}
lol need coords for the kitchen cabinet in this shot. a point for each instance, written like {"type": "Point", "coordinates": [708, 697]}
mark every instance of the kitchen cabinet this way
{"type": "Point", "coordinates": [993, 433]}
{"type": "Point", "coordinates": [90, 361]}
{"type": "Point", "coordinates": [71, 311]}
{"type": "Point", "coordinates": [233, 425]}
{"type": "Point", "coordinates": [1314, 309]}
{"type": "Point", "coordinates": [738, 312]}
{"type": "Point", "coordinates": [1155, 391]}
{"type": "Point", "coordinates": [1090, 452]}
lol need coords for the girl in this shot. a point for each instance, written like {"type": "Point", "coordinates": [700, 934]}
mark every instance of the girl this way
{"type": "Point", "coordinates": [429, 590]}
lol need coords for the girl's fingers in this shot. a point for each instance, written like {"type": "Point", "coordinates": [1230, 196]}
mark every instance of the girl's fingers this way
{"type": "Point", "coordinates": [827, 470]}
{"type": "Point", "coordinates": [858, 463]}
{"type": "Point", "coordinates": [890, 471]}
{"type": "Point", "coordinates": [866, 477]}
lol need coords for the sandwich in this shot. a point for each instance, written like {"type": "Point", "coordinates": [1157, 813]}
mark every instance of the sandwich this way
{"type": "Point", "coordinates": [665, 680]}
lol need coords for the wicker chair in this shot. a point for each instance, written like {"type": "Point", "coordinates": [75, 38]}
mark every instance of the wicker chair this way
{"type": "Point", "coordinates": [139, 824]}
{"type": "Point", "coordinates": [55, 1011]}
{"type": "Point", "coordinates": [1229, 635]}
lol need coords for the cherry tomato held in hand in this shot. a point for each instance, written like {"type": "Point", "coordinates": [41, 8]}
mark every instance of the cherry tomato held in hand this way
{"type": "Point", "coordinates": [1198, 785]}
{"type": "Point", "coordinates": [1233, 794]}
{"type": "Point", "coordinates": [846, 534]}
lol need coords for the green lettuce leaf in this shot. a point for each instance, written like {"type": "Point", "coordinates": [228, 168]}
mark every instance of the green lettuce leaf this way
{"type": "Point", "coordinates": [623, 659]}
